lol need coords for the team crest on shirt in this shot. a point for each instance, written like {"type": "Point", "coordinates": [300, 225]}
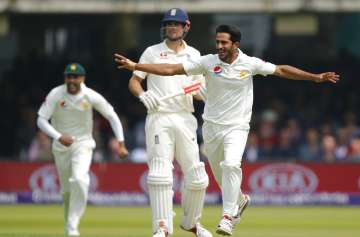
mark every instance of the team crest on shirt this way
{"type": "Point", "coordinates": [85, 104]}
{"type": "Point", "coordinates": [163, 55]}
{"type": "Point", "coordinates": [62, 104]}
{"type": "Point", "coordinates": [217, 69]}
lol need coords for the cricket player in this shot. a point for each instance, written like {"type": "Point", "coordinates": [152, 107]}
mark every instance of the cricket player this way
{"type": "Point", "coordinates": [70, 108]}
{"type": "Point", "coordinates": [229, 83]}
{"type": "Point", "coordinates": [171, 131]}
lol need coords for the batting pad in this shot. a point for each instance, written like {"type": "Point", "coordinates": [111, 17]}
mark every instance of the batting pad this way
{"type": "Point", "coordinates": [78, 199]}
{"type": "Point", "coordinates": [193, 195]}
{"type": "Point", "coordinates": [230, 188]}
{"type": "Point", "coordinates": [160, 182]}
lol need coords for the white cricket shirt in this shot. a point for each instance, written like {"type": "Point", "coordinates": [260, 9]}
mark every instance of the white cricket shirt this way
{"type": "Point", "coordinates": [229, 87]}
{"type": "Point", "coordinates": [165, 85]}
{"type": "Point", "coordinates": [73, 114]}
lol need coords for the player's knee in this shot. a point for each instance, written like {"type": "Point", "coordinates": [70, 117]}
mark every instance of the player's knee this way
{"type": "Point", "coordinates": [196, 177]}
{"type": "Point", "coordinates": [230, 166]}
{"type": "Point", "coordinates": [82, 179]}
{"type": "Point", "coordinates": [160, 172]}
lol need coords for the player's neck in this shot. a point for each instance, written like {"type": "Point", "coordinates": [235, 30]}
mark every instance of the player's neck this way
{"type": "Point", "coordinates": [232, 57]}
{"type": "Point", "coordinates": [177, 45]}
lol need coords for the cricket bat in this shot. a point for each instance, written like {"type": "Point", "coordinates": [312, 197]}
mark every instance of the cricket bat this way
{"type": "Point", "coordinates": [186, 90]}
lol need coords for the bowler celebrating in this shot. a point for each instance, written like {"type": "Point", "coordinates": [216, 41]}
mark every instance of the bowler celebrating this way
{"type": "Point", "coordinates": [228, 107]}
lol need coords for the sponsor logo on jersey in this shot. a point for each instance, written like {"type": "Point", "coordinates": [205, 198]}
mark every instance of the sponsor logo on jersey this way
{"type": "Point", "coordinates": [243, 74]}
{"type": "Point", "coordinates": [217, 69]}
{"type": "Point", "coordinates": [283, 179]}
{"type": "Point", "coordinates": [85, 104]}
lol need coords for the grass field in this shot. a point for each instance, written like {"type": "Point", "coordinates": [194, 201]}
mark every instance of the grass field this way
{"type": "Point", "coordinates": [46, 221]}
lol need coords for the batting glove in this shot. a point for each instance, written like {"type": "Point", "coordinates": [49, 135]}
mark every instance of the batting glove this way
{"type": "Point", "coordinates": [150, 100]}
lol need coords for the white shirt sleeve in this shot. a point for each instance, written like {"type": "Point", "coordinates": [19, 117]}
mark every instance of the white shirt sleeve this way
{"type": "Point", "coordinates": [262, 67]}
{"type": "Point", "coordinates": [47, 128]}
{"type": "Point", "coordinates": [105, 109]}
{"type": "Point", "coordinates": [146, 58]}
{"type": "Point", "coordinates": [194, 66]}
{"type": "Point", "coordinates": [48, 106]}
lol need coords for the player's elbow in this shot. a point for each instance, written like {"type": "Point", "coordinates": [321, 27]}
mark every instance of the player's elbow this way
{"type": "Point", "coordinates": [40, 122]}
{"type": "Point", "coordinates": [281, 70]}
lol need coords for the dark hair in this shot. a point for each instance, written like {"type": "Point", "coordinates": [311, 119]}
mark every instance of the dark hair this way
{"type": "Point", "coordinates": [235, 34]}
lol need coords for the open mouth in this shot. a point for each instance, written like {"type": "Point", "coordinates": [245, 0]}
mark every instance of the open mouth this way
{"type": "Point", "coordinates": [72, 87]}
{"type": "Point", "coordinates": [221, 53]}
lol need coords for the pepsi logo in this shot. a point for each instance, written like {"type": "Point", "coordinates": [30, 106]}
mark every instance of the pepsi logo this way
{"type": "Point", "coordinates": [284, 179]}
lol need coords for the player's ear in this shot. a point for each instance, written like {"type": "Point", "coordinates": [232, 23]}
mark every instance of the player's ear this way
{"type": "Point", "coordinates": [187, 26]}
{"type": "Point", "coordinates": [237, 44]}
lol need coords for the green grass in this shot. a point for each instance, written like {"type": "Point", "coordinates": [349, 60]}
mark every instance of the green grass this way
{"type": "Point", "coordinates": [46, 221]}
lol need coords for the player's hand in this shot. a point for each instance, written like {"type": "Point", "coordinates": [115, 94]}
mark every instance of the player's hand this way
{"type": "Point", "coordinates": [66, 140]}
{"type": "Point", "coordinates": [122, 151]}
{"type": "Point", "coordinates": [124, 62]}
{"type": "Point", "coordinates": [328, 77]}
{"type": "Point", "coordinates": [150, 100]}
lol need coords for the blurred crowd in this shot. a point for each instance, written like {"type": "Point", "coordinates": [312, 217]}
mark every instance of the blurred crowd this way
{"type": "Point", "coordinates": [292, 121]}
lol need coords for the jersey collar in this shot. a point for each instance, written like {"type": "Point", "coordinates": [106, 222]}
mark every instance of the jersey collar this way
{"type": "Point", "coordinates": [238, 58]}
{"type": "Point", "coordinates": [168, 50]}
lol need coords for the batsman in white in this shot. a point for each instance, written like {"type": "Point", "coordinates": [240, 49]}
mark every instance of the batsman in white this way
{"type": "Point", "coordinates": [171, 131]}
{"type": "Point", "coordinates": [228, 107]}
{"type": "Point", "coordinates": [70, 108]}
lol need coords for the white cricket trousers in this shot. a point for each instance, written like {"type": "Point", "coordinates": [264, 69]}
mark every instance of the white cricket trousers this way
{"type": "Point", "coordinates": [224, 147]}
{"type": "Point", "coordinates": [170, 135]}
{"type": "Point", "coordinates": [73, 165]}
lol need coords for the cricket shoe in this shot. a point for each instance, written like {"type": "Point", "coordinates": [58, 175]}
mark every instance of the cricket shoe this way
{"type": "Point", "coordinates": [225, 226]}
{"type": "Point", "coordinates": [236, 219]}
{"type": "Point", "coordinates": [199, 231]}
{"type": "Point", "coordinates": [72, 232]}
{"type": "Point", "coordinates": [162, 231]}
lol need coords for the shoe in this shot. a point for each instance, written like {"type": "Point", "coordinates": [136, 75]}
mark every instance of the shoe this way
{"type": "Point", "coordinates": [225, 226]}
{"type": "Point", "coordinates": [199, 231]}
{"type": "Point", "coordinates": [72, 232]}
{"type": "Point", "coordinates": [161, 232]}
{"type": "Point", "coordinates": [242, 207]}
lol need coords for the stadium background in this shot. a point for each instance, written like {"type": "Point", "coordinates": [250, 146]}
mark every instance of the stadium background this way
{"type": "Point", "coordinates": [304, 146]}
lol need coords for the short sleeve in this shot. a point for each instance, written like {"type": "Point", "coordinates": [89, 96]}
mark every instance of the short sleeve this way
{"type": "Point", "coordinates": [262, 67]}
{"type": "Point", "coordinates": [194, 66]}
{"type": "Point", "coordinates": [48, 106]}
{"type": "Point", "coordinates": [146, 58]}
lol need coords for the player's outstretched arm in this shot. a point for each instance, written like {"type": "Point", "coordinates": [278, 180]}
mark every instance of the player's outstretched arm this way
{"type": "Point", "coordinates": [158, 69]}
{"type": "Point", "coordinates": [293, 73]}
